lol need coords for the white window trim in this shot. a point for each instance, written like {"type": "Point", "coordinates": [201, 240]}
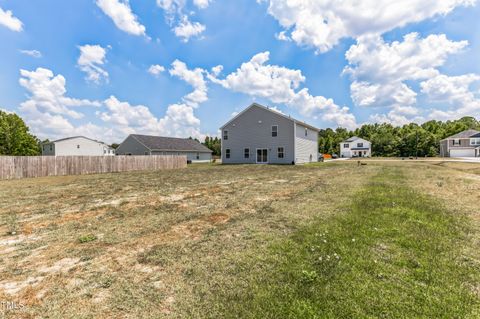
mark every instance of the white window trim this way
{"type": "Point", "coordinates": [283, 152]}
{"type": "Point", "coordinates": [225, 133]}
{"type": "Point", "coordinates": [275, 131]}
{"type": "Point", "coordinates": [475, 141]}
{"type": "Point", "coordinates": [229, 153]}
{"type": "Point", "coordinates": [306, 131]}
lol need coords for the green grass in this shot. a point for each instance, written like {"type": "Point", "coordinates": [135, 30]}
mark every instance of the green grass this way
{"type": "Point", "coordinates": [86, 238]}
{"type": "Point", "coordinates": [392, 254]}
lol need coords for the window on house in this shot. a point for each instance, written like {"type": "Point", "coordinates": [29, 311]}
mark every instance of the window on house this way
{"type": "Point", "coordinates": [104, 151]}
{"type": "Point", "coordinates": [227, 153]}
{"type": "Point", "coordinates": [51, 147]}
{"type": "Point", "coordinates": [146, 153]}
{"type": "Point", "coordinates": [225, 135]}
{"type": "Point", "coordinates": [246, 153]}
{"type": "Point", "coordinates": [475, 141]}
{"type": "Point", "coordinates": [456, 142]}
{"type": "Point", "coordinates": [281, 152]}
{"type": "Point", "coordinates": [359, 144]}
{"type": "Point", "coordinates": [274, 130]}
{"type": "Point", "coordinates": [306, 131]}
{"type": "Point", "coordinates": [198, 156]}
{"type": "Point", "coordinates": [78, 146]}
{"type": "Point", "coordinates": [346, 145]}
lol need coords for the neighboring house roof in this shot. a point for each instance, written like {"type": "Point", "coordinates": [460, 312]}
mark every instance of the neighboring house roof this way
{"type": "Point", "coordinates": [73, 137]}
{"type": "Point", "coordinates": [161, 143]}
{"type": "Point", "coordinates": [464, 134]}
{"type": "Point", "coordinates": [353, 139]}
{"type": "Point", "coordinates": [273, 111]}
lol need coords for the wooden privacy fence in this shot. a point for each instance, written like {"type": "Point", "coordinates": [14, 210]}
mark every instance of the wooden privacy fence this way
{"type": "Point", "coordinates": [14, 167]}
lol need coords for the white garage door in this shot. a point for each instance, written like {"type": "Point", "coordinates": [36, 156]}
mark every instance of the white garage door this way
{"type": "Point", "coordinates": [462, 153]}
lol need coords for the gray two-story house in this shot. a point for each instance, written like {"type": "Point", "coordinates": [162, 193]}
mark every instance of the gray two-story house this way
{"type": "Point", "coordinates": [260, 135]}
{"type": "Point", "coordinates": [463, 144]}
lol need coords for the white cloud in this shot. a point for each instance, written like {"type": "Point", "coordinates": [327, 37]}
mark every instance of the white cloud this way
{"type": "Point", "coordinates": [186, 29]}
{"type": "Point", "coordinates": [282, 85]}
{"type": "Point", "coordinates": [183, 27]}
{"type": "Point", "coordinates": [193, 77]}
{"type": "Point", "coordinates": [8, 20]}
{"type": "Point", "coordinates": [455, 92]}
{"type": "Point", "coordinates": [91, 60]}
{"type": "Point", "coordinates": [156, 69]}
{"type": "Point", "coordinates": [321, 24]}
{"type": "Point", "coordinates": [123, 17]}
{"type": "Point", "coordinates": [47, 93]}
{"type": "Point", "coordinates": [51, 114]}
{"type": "Point", "coordinates": [381, 71]}
{"type": "Point", "coordinates": [282, 36]}
{"type": "Point", "coordinates": [202, 4]}
{"type": "Point", "coordinates": [123, 119]}
{"type": "Point", "coordinates": [48, 106]}
{"type": "Point", "coordinates": [33, 53]}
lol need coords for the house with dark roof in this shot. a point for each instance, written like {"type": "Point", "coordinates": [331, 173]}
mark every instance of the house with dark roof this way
{"type": "Point", "coordinates": [355, 147]}
{"type": "Point", "coordinates": [77, 146]}
{"type": "Point", "coordinates": [262, 135]}
{"type": "Point", "coordinates": [463, 144]}
{"type": "Point", "coordinates": [136, 144]}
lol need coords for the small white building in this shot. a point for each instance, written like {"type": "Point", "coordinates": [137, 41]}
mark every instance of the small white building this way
{"type": "Point", "coordinates": [77, 146]}
{"type": "Point", "coordinates": [355, 147]}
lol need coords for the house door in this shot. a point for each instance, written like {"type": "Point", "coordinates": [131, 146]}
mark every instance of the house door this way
{"type": "Point", "coordinates": [262, 156]}
{"type": "Point", "coordinates": [360, 154]}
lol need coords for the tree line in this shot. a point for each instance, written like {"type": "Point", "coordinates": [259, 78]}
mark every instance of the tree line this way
{"type": "Point", "coordinates": [387, 140]}
{"type": "Point", "coordinates": [398, 141]}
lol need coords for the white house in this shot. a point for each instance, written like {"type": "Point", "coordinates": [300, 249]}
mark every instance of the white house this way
{"type": "Point", "coordinates": [77, 146]}
{"type": "Point", "coordinates": [355, 147]}
{"type": "Point", "coordinates": [260, 135]}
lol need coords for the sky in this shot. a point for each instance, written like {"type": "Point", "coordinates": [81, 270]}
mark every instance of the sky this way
{"type": "Point", "coordinates": [108, 68]}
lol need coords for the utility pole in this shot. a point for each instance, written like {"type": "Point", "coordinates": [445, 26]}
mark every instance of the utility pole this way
{"type": "Point", "coordinates": [416, 144]}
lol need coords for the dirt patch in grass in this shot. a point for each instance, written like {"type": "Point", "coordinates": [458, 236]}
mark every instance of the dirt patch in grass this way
{"type": "Point", "coordinates": [165, 242]}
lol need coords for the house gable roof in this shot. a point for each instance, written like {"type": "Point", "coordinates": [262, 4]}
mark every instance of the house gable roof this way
{"type": "Point", "coordinates": [353, 139]}
{"type": "Point", "coordinates": [74, 137]}
{"type": "Point", "coordinates": [465, 134]}
{"type": "Point", "coordinates": [161, 143]}
{"type": "Point", "coordinates": [274, 112]}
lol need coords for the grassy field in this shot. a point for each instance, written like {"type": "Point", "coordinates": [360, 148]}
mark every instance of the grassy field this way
{"type": "Point", "coordinates": [330, 240]}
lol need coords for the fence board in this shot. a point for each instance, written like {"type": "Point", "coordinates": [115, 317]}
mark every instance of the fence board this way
{"type": "Point", "coordinates": [16, 167]}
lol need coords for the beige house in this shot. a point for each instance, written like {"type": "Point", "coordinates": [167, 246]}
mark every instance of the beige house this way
{"type": "Point", "coordinates": [463, 144]}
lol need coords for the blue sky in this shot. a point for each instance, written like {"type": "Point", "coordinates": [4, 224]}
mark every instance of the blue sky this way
{"type": "Point", "coordinates": [82, 67]}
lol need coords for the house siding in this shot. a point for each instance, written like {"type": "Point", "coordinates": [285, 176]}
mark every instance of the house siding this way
{"type": "Point", "coordinates": [131, 146]}
{"type": "Point", "coordinates": [464, 143]}
{"type": "Point", "coordinates": [69, 147]}
{"type": "Point", "coordinates": [253, 130]}
{"type": "Point", "coordinates": [446, 147]}
{"type": "Point", "coordinates": [306, 147]}
{"type": "Point", "coordinates": [191, 156]}
{"type": "Point", "coordinates": [350, 151]}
